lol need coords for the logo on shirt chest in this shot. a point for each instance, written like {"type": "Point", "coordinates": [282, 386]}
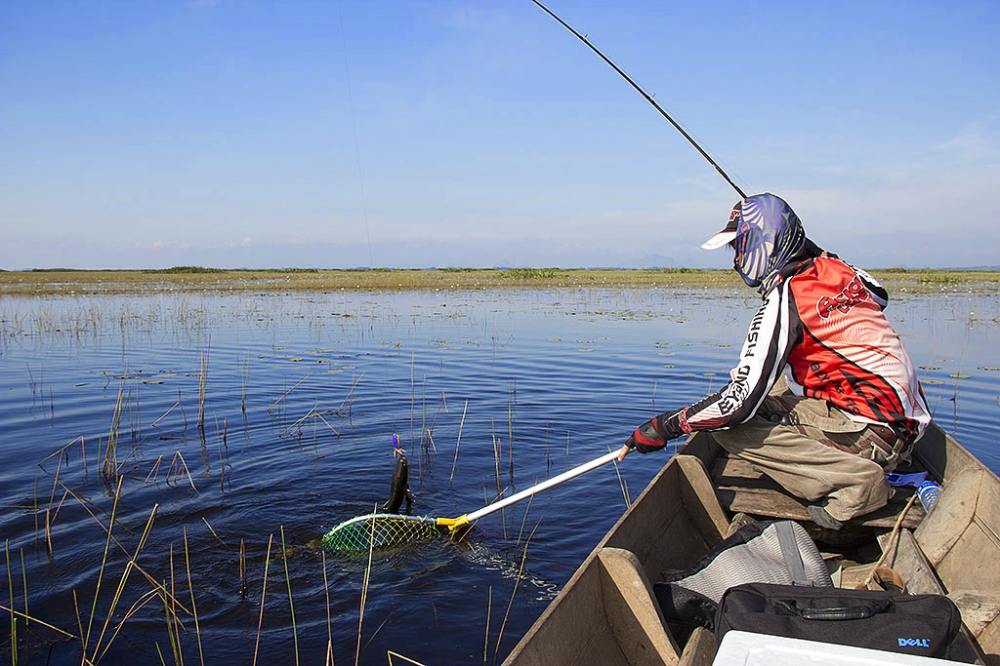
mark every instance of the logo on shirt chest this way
{"type": "Point", "coordinates": [846, 299]}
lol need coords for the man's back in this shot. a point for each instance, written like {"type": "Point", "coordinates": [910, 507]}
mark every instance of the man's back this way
{"type": "Point", "coordinates": [849, 354]}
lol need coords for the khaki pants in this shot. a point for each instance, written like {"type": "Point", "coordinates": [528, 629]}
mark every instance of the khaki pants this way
{"type": "Point", "coordinates": [814, 451]}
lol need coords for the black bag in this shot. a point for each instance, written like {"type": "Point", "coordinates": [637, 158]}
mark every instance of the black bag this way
{"type": "Point", "coordinates": [764, 552]}
{"type": "Point", "coordinates": [924, 624]}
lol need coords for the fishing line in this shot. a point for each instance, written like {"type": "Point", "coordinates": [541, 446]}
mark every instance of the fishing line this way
{"type": "Point", "coordinates": [647, 96]}
{"type": "Point", "coordinates": [357, 142]}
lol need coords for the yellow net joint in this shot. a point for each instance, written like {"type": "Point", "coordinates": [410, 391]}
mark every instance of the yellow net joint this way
{"type": "Point", "coordinates": [454, 523]}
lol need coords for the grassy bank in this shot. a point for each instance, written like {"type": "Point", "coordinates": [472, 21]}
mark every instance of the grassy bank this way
{"type": "Point", "coordinates": [194, 279]}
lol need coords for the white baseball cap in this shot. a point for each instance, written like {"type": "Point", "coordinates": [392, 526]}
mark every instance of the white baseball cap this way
{"type": "Point", "coordinates": [728, 233]}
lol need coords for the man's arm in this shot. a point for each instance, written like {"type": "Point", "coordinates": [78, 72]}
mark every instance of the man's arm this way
{"type": "Point", "coordinates": [774, 330]}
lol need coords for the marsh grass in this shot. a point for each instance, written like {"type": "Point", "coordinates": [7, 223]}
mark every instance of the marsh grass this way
{"type": "Point", "coordinates": [364, 587]}
{"type": "Point", "coordinates": [263, 594]}
{"type": "Point", "coordinates": [458, 441]}
{"type": "Point", "coordinates": [328, 659]}
{"type": "Point", "coordinates": [390, 654]}
{"type": "Point", "coordinates": [513, 593]}
{"type": "Point", "coordinates": [109, 467]}
{"type": "Point", "coordinates": [622, 483]}
{"type": "Point", "coordinates": [178, 465]}
{"type": "Point", "coordinates": [104, 561]}
{"type": "Point", "coordinates": [121, 585]}
{"type": "Point", "coordinates": [130, 282]}
{"type": "Point", "coordinates": [202, 390]}
{"type": "Point", "coordinates": [486, 637]}
{"type": "Point", "coordinates": [291, 602]}
{"type": "Point", "coordinates": [194, 606]}
{"type": "Point", "coordinates": [243, 570]}
{"type": "Point", "coordinates": [13, 605]}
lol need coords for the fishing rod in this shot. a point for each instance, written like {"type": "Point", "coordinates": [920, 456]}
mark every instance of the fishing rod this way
{"type": "Point", "coordinates": [649, 98]}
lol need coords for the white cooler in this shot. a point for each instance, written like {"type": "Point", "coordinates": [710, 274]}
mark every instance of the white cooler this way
{"type": "Point", "coordinates": [742, 648]}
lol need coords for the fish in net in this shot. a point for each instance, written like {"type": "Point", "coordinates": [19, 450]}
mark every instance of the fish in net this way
{"type": "Point", "coordinates": [380, 531]}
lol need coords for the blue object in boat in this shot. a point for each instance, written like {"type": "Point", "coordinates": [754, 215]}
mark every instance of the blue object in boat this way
{"type": "Point", "coordinates": [900, 480]}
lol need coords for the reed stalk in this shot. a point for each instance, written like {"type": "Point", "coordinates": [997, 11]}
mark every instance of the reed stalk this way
{"type": "Point", "coordinates": [79, 623]}
{"type": "Point", "coordinates": [284, 395]}
{"type": "Point", "coordinates": [29, 618]}
{"type": "Point", "coordinates": [62, 450]}
{"type": "Point", "coordinates": [413, 395]}
{"type": "Point", "coordinates": [517, 582]}
{"type": "Point", "coordinates": [62, 500]}
{"type": "Point", "coordinates": [332, 429]}
{"type": "Point", "coordinates": [171, 629]}
{"type": "Point", "coordinates": [173, 606]}
{"type": "Point", "coordinates": [390, 654]}
{"type": "Point", "coordinates": [124, 581]}
{"type": "Point", "coordinates": [263, 593]}
{"type": "Point", "coordinates": [179, 457]}
{"type": "Point", "coordinates": [135, 415]}
{"type": "Point", "coordinates": [621, 483]}
{"type": "Point", "coordinates": [34, 511]}
{"type": "Point", "coordinates": [217, 537]}
{"type": "Point", "coordinates": [364, 587]}
{"type": "Point", "coordinates": [13, 618]}
{"type": "Point", "coordinates": [510, 442]}
{"type": "Point", "coordinates": [109, 468]}
{"type": "Point", "coordinates": [184, 415]}
{"type": "Point", "coordinates": [243, 570]}
{"type": "Point", "coordinates": [138, 605]}
{"type": "Point", "coordinates": [55, 481]}
{"type": "Point", "coordinates": [524, 519]}
{"type": "Point", "coordinates": [104, 561]}
{"type": "Point", "coordinates": [291, 604]}
{"type": "Point", "coordinates": [348, 400]}
{"type": "Point", "coordinates": [24, 583]}
{"type": "Point", "coordinates": [164, 415]}
{"type": "Point", "coordinates": [202, 390]}
{"type": "Point", "coordinates": [154, 470]}
{"type": "Point", "coordinates": [486, 638]}
{"type": "Point", "coordinates": [194, 606]}
{"type": "Point", "coordinates": [152, 581]}
{"type": "Point", "coordinates": [328, 661]}
{"type": "Point", "coordinates": [423, 408]}
{"type": "Point", "coordinates": [458, 442]}
{"type": "Point", "coordinates": [246, 380]}
{"type": "Point", "coordinates": [48, 533]}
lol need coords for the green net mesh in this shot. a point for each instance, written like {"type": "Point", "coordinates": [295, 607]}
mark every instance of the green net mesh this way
{"type": "Point", "coordinates": [379, 531]}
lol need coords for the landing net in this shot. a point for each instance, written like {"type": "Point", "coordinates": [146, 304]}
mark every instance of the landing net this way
{"type": "Point", "coordinates": [379, 531]}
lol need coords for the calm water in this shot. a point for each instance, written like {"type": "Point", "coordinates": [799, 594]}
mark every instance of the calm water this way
{"type": "Point", "coordinates": [556, 377]}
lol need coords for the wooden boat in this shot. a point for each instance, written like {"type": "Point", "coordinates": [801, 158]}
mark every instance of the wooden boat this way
{"type": "Point", "coordinates": [606, 613]}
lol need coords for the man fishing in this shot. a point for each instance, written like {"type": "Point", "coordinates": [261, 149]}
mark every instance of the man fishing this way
{"type": "Point", "coordinates": [824, 399]}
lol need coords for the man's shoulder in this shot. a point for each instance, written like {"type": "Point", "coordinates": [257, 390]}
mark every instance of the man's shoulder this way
{"type": "Point", "coordinates": [830, 286]}
{"type": "Point", "coordinates": [823, 273]}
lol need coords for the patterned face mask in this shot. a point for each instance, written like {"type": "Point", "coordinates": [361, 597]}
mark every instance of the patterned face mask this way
{"type": "Point", "coordinates": [768, 235]}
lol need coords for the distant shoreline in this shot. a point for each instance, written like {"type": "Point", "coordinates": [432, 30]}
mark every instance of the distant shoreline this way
{"type": "Point", "coordinates": [65, 282]}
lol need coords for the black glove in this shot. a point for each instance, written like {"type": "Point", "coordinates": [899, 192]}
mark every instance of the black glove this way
{"type": "Point", "coordinates": [654, 434]}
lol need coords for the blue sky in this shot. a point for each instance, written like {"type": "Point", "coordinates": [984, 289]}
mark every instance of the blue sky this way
{"type": "Point", "coordinates": [479, 133]}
